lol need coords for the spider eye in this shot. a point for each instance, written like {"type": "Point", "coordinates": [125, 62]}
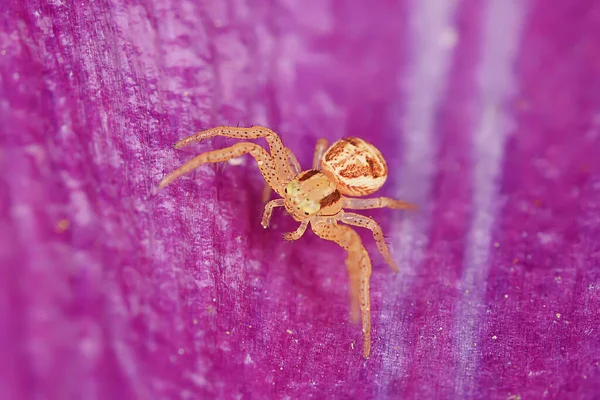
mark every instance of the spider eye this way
{"type": "Point", "coordinates": [286, 190]}
{"type": "Point", "coordinates": [305, 213]}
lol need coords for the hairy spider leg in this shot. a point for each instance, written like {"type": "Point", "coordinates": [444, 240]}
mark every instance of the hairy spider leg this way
{"type": "Point", "coordinates": [320, 147]}
{"type": "Point", "coordinates": [266, 194]}
{"type": "Point", "coordinates": [369, 223]}
{"type": "Point", "coordinates": [293, 161]}
{"type": "Point", "coordinates": [266, 218]}
{"type": "Point", "coordinates": [358, 264]}
{"type": "Point", "coordinates": [276, 148]}
{"type": "Point", "coordinates": [297, 234]}
{"type": "Point", "coordinates": [379, 202]}
{"type": "Point", "coordinates": [265, 163]}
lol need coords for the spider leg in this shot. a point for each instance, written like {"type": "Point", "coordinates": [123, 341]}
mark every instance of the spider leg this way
{"type": "Point", "coordinates": [322, 145]}
{"type": "Point", "coordinates": [266, 218]}
{"type": "Point", "coordinates": [266, 194]}
{"type": "Point", "coordinates": [359, 271]}
{"type": "Point", "coordinates": [265, 162]}
{"type": "Point", "coordinates": [297, 234]}
{"type": "Point", "coordinates": [276, 147]}
{"type": "Point", "coordinates": [379, 202]}
{"type": "Point", "coordinates": [293, 161]}
{"type": "Point", "coordinates": [369, 223]}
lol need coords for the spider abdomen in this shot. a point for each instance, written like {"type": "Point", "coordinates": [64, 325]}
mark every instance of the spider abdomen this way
{"type": "Point", "coordinates": [355, 165]}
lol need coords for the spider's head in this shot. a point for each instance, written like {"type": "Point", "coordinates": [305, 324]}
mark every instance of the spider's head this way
{"type": "Point", "coordinates": [309, 193]}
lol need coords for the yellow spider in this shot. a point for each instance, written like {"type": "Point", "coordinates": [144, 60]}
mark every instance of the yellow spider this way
{"type": "Point", "coordinates": [349, 167]}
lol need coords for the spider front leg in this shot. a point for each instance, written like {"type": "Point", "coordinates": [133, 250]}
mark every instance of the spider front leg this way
{"type": "Point", "coordinates": [278, 151]}
{"type": "Point", "coordinates": [266, 218]}
{"type": "Point", "coordinates": [265, 163]}
{"type": "Point", "coordinates": [359, 271]}
{"type": "Point", "coordinates": [379, 202]}
{"type": "Point", "coordinates": [266, 194]}
{"type": "Point", "coordinates": [369, 223]}
{"type": "Point", "coordinates": [293, 161]}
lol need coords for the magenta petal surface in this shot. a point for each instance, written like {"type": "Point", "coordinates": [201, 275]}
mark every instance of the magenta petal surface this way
{"type": "Point", "coordinates": [488, 113]}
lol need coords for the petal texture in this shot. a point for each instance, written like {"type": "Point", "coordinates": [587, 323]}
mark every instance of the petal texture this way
{"type": "Point", "coordinates": [487, 112]}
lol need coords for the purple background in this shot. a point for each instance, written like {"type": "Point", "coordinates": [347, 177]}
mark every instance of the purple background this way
{"type": "Point", "coordinates": [488, 112]}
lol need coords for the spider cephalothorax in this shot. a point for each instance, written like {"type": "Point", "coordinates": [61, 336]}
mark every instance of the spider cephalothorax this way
{"type": "Point", "coordinates": [312, 192]}
{"type": "Point", "coordinates": [349, 167]}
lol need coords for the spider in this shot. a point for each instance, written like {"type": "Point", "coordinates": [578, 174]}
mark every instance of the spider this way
{"type": "Point", "coordinates": [319, 196]}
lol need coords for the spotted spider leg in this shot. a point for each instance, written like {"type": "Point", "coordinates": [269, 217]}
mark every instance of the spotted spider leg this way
{"type": "Point", "coordinates": [293, 162]}
{"type": "Point", "coordinates": [379, 202]}
{"type": "Point", "coordinates": [369, 223]}
{"type": "Point", "coordinates": [275, 167]}
{"type": "Point", "coordinates": [265, 162]}
{"type": "Point", "coordinates": [320, 148]}
{"type": "Point", "coordinates": [358, 264]}
{"type": "Point", "coordinates": [266, 218]}
{"type": "Point", "coordinates": [276, 147]}
{"type": "Point", "coordinates": [297, 234]}
{"type": "Point", "coordinates": [266, 194]}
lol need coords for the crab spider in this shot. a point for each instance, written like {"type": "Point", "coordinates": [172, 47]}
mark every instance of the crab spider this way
{"type": "Point", "coordinates": [318, 196]}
